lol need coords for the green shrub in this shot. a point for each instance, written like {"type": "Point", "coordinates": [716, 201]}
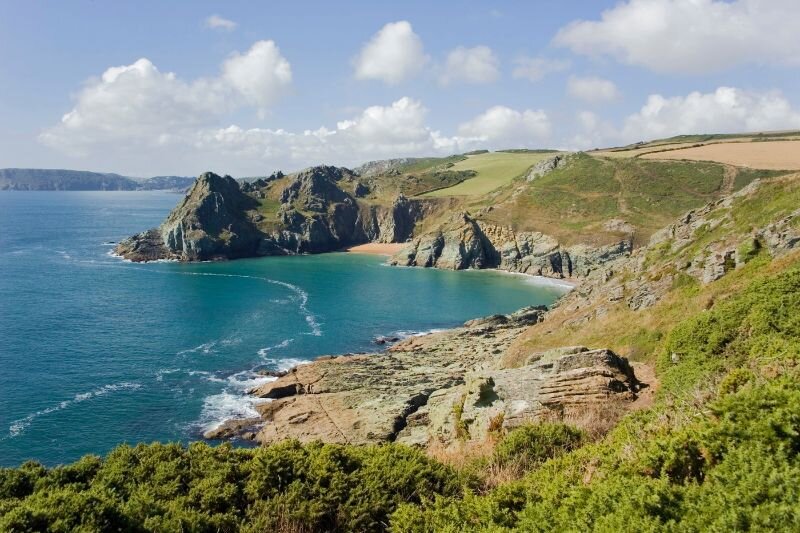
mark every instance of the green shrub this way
{"type": "Point", "coordinates": [535, 443]}
{"type": "Point", "coordinates": [167, 487]}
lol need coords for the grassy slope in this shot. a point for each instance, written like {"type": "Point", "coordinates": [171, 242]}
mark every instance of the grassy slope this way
{"type": "Point", "coordinates": [573, 203]}
{"type": "Point", "coordinates": [639, 334]}
{"type": "Point", "coordinates": [494, 169]}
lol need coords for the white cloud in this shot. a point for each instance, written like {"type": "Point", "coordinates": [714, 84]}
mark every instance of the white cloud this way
{"type": "Point", "coordinates": [394, 54]}
{"type": "Point", "coordinates": [726, 110]}
{"type": "Point", "coordinates": [215, 22]}
{"type": "Point", "coordinates": [690, 36]}
{"type": "Point", "coordinates": [592, 89]}
{"type": "Point", "coordinates": [470, 65]}
{"type": "Point", "coordinates": [535, 68]}
{"type": "Point", "coordinates": [501, 126]}
{"type": "Point", "coordinates": [592, 132]}
{"type": "Point", "coordinates": [261, 74]}
{"type": "Point", "coordinates": [139, 104]}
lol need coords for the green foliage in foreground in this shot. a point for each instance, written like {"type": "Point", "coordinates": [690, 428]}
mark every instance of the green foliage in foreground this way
{"type": "Point", "coordinates": [720, 451]}
{"type": "Point", "coordinates": [286, 487]}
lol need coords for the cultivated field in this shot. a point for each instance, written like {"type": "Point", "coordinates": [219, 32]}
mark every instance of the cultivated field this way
{"type": "Point", "coordinates": [494, 169]}
{"type": "Point", "coordinates": [775, 155]}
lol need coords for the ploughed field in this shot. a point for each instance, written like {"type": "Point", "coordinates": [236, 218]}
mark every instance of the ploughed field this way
{"type": "Point", "coordinates": [775, 155]}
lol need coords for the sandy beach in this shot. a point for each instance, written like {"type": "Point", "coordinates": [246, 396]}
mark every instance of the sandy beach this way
{"type": "Point", "coordinates": [377, 248]}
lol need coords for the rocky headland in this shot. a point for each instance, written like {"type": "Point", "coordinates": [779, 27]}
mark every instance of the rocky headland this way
{"type": "Point", "coordinates": [317, 210]}
{"type": "Point", "coordinates": [323, 209]}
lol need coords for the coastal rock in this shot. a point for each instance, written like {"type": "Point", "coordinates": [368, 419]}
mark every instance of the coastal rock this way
{"type": "Point", "coordinates": [407, 394]}
{"type": "Point", "coordinates": [467, 243]}
{"type": "Point", "coordinates": [210, 223]}
{"type": "Point", "coordinates": [218, 219]}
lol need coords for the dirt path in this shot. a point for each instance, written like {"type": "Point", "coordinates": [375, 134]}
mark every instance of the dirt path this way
{"type": "Point", "coordinates": [645, 373]}
{"type": "Point", "coordinates": [622, 202]}
{"type": "Point", "coordinates": [729, 179]}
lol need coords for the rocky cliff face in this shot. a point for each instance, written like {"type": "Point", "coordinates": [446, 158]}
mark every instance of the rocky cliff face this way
{"type": "Point", "coordinates": [210, 222]}
{"type": "Point", "coordinates": [219, 220]}
{"type": "Point", "coordinates": [468, 243]}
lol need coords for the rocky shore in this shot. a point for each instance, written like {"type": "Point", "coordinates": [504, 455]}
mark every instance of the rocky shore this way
{"type": "Point", "coordinates": [443, 388]}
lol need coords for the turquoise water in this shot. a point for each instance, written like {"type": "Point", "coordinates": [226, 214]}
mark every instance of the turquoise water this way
{"type": "Point", "coordinates": [95, 351]}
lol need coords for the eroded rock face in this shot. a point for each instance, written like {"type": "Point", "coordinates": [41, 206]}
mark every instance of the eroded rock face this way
{"type": "Point", "coordinates": [468, 243]}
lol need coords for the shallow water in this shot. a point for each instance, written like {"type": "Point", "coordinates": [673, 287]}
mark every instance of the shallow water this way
{"type": "Point", "coordinates": [95, 351]}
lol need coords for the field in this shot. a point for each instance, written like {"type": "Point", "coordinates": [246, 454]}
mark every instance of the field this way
{"type": "Point", "coordinates": [494, 170]}
{"type": "Point", "coordinates": [775, 155]}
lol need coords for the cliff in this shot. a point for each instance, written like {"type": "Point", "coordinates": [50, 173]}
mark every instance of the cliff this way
{"type": "Point", "coordinates": [314, 211]}
{"type": "Point", "coordinates": [465, 242]}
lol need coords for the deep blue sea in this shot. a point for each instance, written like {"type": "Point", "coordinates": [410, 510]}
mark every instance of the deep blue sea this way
{"type": "Point", "coordinates": [95, 351]}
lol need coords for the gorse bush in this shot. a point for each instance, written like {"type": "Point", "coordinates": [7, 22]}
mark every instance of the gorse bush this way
{"type": "Point", "coordinates": [166, 487]}
{"type": "Point", "coordinates": [535, 443]}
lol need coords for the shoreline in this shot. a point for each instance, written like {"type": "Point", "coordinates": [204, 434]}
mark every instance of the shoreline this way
{"type": "Point", "coordinates": [563, 283]}
{"type": "Point", "coordinates": [376, 248]}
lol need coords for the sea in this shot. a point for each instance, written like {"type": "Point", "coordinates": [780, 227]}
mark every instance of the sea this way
{"type": "Point", "coordinates": [96, 351]}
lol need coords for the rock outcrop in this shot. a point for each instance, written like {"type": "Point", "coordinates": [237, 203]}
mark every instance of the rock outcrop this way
{"type": "Point", "coordinates": [468, 243]}
{"type": "Point", "coordinates": [218, 219]}
{"type": "Point", "coordinates": [211, 222]}
{"type": "Point", "coordinates": [442, 387]}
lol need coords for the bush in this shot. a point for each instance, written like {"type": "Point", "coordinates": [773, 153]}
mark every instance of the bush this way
{"type": "Point", "coordinates": [168, 487]}
{"type": "Point", "coordinates": [534, 444]}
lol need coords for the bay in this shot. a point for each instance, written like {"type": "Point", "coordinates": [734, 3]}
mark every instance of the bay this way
{"type": "Point", "coordinates": [95, 351]}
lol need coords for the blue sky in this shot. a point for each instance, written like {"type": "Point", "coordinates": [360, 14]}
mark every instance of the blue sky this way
{"type": "Point", "coordinates": [270, 85]}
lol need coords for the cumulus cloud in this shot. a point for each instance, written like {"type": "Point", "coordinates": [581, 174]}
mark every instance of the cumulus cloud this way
{"type": "Point", "coordinates": [470, 65]}
{"type": "Point", "coordinates": [261, 74]}
{"type": "Point", "coordinates": [690, 36]}
{"type": "Point", "coordinates": [394, 54]}
{"type": "Point", "coordinates": [534, 69]}
{"type": "Point", "coordinates": [592, 89]}
{"type": "Point", "coordinates": [139, 104]}
{"type": "Point", "coordinates": [215, 22]}
{"type": "Point", "coordinates": [725, 110]}
{"type": "Point", "coordinates": [501, 126]}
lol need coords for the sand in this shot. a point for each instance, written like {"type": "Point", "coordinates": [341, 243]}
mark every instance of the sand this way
{"type": "Point", "coordinates": [774, 155]}
{"type": "Point", "coordinates": [377, 248]}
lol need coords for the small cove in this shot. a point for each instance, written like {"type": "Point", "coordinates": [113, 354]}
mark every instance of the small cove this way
{"type": "Point", "coordinates": [97, 351]}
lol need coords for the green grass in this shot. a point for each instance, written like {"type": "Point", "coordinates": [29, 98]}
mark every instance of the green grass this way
{"type": "Point", "coordinates": [573, 202]}
{"type": "Point", "coordinates": [494, 170]}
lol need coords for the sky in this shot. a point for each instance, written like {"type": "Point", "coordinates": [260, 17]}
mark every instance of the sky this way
{"type": "Point", "coordinates": [245, 88]}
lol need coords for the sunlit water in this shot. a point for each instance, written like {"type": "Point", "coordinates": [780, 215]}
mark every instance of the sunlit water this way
{"type": "Point", "coordinates": [95, 351]}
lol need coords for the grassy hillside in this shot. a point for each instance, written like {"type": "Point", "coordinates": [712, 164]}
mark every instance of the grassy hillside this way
{"type": "Point", "coordinates": [575, 202]}
{"type": "Point", "coordinates": [493, 170]}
